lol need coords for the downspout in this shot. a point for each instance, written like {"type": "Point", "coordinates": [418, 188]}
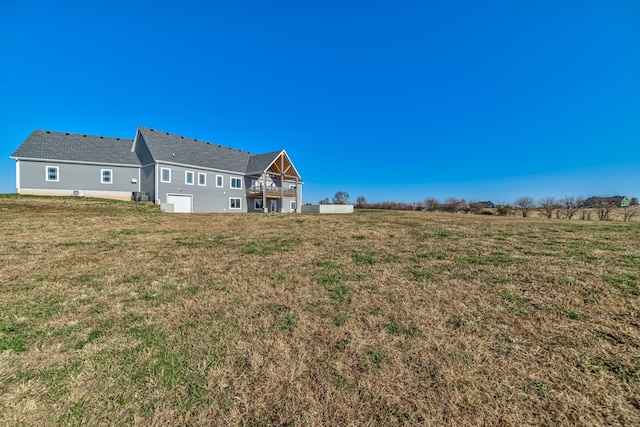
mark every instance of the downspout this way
{"type": "Point", "coordinates": [155, 182]}
{"type": "Point", "coordinates": [18, 175]}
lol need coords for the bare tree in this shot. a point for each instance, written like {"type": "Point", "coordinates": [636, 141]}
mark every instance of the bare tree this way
{"type": "Point", "coordinates": [324, 201]}
{"type": "Point", "coordinates": [569, 205]}
{"type": "Point", "coordinates": [525, 204]}
{"type": "Point", "coordinates": [476, 207]}
{"type": "Point", "coordinates": [603, 210]}
{"type": "Point", "coordinates": [361, 202]}
{"type": "Point", "coordinates": [630, 212]}
{"type": "Point", "coordinates": [431, 204]}
{"type": "Point", "coordinates": [341, 198]}
{"type": "Point", "coordinates": [504, 210]}
{"type": "Point", "coordinates": [633, 201]}
{"type": "Point", "coordinates": [547, 205]}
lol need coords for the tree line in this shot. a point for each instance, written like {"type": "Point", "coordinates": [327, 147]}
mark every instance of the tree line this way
{"type": "Point", "coordinates": [549, 207]}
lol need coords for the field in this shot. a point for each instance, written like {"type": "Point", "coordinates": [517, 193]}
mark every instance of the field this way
{"type": "Point", "coordinates": [113, 313]}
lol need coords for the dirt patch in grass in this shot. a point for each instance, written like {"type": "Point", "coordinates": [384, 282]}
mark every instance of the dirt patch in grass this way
{"type": "Point", "coordinates": [113, 313]}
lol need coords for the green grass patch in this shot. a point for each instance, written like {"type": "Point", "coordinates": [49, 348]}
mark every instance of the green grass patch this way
{"type": "Point", "coordinates": [341, 293]}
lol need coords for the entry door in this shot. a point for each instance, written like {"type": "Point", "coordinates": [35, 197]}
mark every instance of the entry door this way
{"type": "Point", "coordinates": [273, 206]}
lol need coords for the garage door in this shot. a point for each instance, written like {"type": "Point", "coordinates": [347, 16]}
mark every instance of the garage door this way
{"type": "Point", "coordinates": [181, 203]}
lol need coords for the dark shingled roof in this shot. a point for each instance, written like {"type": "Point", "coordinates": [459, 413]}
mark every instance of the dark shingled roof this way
{"type": "Point", "coordinates": [168, 147]}
{"type": "Point", "coordinates": [47, 145]}
{"type": "Point", "coordinates": [163, 146]}
{"type": "Point", "coordinates": [260, 162]}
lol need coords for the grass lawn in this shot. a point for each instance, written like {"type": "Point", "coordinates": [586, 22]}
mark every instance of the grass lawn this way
{"type": "Point", "coordinates": [114, 313]}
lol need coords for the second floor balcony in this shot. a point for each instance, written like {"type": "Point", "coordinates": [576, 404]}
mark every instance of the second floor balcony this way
{"type": "Point", "coordinates": [272, 191]}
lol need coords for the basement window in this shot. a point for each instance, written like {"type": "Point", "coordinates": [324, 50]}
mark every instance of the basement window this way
{"type": "Point", "coordinates": [52, 173]}
{"type": "Point", "coordinates": [106, 176]}
{"type": "Point", "coordinates": [235, 203]}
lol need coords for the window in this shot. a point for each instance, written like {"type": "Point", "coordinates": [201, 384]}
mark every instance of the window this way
{"type": "Point", "coordinates": [293, 205]}
{"type": "Point", "coordinates": [258, 204]}
{"type": "Point", "coordinates": [52, 173]}
{"type": "Point", "coordinates": [106, 176]}
{"type": "Point", "coordinates": [219, 181]}
{"type": "Point", "coordinates": [188, 177]}
{"type": "Point", "coordinates": [165, 175]}
{"type": "Point", "coordinates": [292, 186]}
{"type": "Point", "coordinates": [236, 183]}
{"type": "Point", "coordinates": [202, 178]}
{"type": "Point", "coordinates": [235, 203]}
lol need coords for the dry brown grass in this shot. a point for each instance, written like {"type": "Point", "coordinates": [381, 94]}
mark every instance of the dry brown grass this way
{"type": "Point", "coordinates": [113, 313]}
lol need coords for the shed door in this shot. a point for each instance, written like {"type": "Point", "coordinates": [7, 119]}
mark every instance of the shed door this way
{"type": "Point", "coordinates": [181, 203]}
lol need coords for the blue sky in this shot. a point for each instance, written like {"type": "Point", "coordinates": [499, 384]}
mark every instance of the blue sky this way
{"type": "Point", "coordinates": [391, 100]}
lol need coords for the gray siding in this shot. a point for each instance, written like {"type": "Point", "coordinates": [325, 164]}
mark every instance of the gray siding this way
{"type": "Point", "coordinates": [77, 177]}
{"type": "Point", "coordinates": [142, 150]}
{"type": "Point", "coordinates": [148, 182]}
{"type": "Point", "coordinates": [207, 198]}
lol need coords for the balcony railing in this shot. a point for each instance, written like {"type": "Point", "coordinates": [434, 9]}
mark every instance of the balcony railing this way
{"type": "Point", "coordinates": [272, 191]}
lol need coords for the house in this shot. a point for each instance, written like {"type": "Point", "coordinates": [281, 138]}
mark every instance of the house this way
{"type": "Point", "coordinates": [487, 204]}
{"type": "Point", "coordinates": [595, 201]}
{"type": "Point", "coordinates": [182, 174]}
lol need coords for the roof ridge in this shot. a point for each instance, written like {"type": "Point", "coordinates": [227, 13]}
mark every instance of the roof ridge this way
{"type": "Point", "coordinates": [159, 131]}
{"type": "Point", "coordinates": [84, 135]}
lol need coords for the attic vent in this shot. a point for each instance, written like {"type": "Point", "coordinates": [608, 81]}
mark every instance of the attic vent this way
{"type": "Point", "coordinates": [50, 132]}
{"type": "Point", "coordinates": [182, 137]}
{"type": "Point", "coordinates": [151, 130]}
{"type": "Point", "coordinates": [101, 137]}
{"type": "Point", "coordinates": [118, 139]}
{"type": "Point", "coordinates": [84, 136]}
{"type": "Point", "coordinates": [167, 133]}
{"type": "Point", "coordinates": [67, 133]}
{"type": "Point", "coordinates": [208, 143]}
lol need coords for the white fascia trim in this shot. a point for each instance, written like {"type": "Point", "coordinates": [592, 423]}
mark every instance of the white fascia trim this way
{"type": "Point", "coordinates": [77, 162]}
{"type": "Point", "coordinates": [292, 165]}
{"type": "Point", "coordinates": [297, 175]}
{"type": "Point", "coordinates": [200, 167]}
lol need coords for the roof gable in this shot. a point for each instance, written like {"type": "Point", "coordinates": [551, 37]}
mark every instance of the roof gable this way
{"type": "Point", "coordinates": [48, 145]}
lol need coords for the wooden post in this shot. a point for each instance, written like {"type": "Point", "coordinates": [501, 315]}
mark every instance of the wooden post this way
{"type": "Point", "coordinates": [264, 194]}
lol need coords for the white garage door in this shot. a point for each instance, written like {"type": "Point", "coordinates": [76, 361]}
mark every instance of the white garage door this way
{"type": "Point", "coordinates": [180, 203]}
